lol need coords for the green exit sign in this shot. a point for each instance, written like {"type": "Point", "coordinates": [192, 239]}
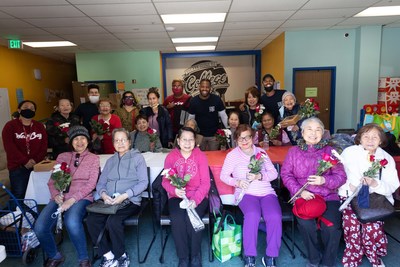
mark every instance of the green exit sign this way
{"type": "Point", "coordinates": [15, 44]}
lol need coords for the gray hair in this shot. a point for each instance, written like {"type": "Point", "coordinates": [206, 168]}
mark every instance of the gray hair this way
{"type": "Point", "coordinates": [309, 120]}
{"type": "Point", "coordinates": [121, 130]}
{"type": "Point", "coordinates": [196, 128]}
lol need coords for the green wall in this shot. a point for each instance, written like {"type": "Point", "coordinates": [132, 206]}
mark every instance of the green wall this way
{"type": "Point", "coordinates": [145, 67]}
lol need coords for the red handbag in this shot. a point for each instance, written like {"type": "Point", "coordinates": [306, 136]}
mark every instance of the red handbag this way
{"type": "Point", "coordinates": [311, 209]}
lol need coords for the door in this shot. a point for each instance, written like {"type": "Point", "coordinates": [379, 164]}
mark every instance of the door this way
{"type": "Point", "coordinates": [5, 113]}
{"type": "Point", "coordinates": [317, 83]}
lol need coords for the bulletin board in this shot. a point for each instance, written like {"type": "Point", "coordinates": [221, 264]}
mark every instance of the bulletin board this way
{"type": "Point", "coordinates": [141, 95]}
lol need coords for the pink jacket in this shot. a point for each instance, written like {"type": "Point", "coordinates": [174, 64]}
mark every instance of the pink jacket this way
{"type": "Point", "coordinates": [197, 166]}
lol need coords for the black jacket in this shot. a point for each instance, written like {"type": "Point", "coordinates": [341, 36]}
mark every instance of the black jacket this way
{"type": "Point", "coordinates": [164, 122]}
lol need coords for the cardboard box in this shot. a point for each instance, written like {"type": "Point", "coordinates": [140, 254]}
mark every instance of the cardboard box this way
{"type": "Point", "coordinates": [44, 166]}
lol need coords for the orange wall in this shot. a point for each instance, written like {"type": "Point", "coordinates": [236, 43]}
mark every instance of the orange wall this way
{"type": "Point", "coordinates": [17, 72]}
{"type": "Point", "coordinates": [273, 59]}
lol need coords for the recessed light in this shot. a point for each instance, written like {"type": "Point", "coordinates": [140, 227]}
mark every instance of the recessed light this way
{"type": "Point", "coordinates": [193, 18]}
{"type": "Point", "coordinates": [49, 44]}
{"type": "Point", "coordinates": [195, 48]}
{"type": "Point", "coordinates": [194, 40]}
{"type": "Point", "coordinates": [170, 29]}
{"type": "Point", "coordinates": [379, 11]}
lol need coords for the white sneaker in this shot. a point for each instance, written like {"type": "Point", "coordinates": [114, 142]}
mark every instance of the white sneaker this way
{"type": "Point", "coordinates": [108, 263]}
{"type": "Point", "coordinates": [124, 261]}
{"type": "Point", "coordinates": [382, 264]}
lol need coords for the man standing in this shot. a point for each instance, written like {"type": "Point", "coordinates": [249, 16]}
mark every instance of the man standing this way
{"type": "Point", "coordinates": [87, 110]}
{"type": "Point", "coordinates": [206, 109]}
{"type": "Point", "coordinates": [177, 105]}
{"type": "Point", "coordinates": [272, 99]}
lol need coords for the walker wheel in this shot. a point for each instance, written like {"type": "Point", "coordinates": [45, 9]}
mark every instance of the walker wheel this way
{"type": "Point", "coordinates": [29, 256]}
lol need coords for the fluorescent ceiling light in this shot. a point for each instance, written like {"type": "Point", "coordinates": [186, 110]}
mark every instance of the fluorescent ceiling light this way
{"type": "Point", "coordinates": [49, 44]}
{"type": "Point", "coordinates": [194, 40]}
{"type": "Point", "coordinates": [195, 48]}
{"type": "Point", "coordinates": [193, 18]}
{"type": "Point", "coordinates": [379, 11]}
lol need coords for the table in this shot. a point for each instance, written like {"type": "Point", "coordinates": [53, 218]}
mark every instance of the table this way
{"type": "Point", "coordinates": [216, 159]}
{"type": "Point", "coordinates": [37, 187]}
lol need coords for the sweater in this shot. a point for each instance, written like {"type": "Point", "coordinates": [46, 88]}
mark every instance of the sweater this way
{"type": "Point", "coordinates": [141, 141]}
{"type": "Point", "coordinates": [84, 177]}
{"type": "Point", "coordinates": [196, 165]}
{"type": "Point", "coordinates": [126, 174]}
{"type": "Point", "coordinates": [127, 118]}
{"type": "Point", "coordinates": [20, 148]}
{"type": "Point", "coordinates": [356, 162]}
{"type": "Point", "coordinates": [236, 168]}
{"type": "Point", "coordinates": [300, 164]}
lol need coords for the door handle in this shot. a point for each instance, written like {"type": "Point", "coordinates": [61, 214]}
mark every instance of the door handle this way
{"type": "Point", "coordinates": [327, 109]}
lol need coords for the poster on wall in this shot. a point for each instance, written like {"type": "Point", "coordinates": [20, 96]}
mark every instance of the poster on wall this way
{"type": "Point", "coordinates": [230, 76]}
{"type": "Point", "coordinates": [141, 95]}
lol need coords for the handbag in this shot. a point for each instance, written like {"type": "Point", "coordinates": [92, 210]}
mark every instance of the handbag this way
{"type": "Point", "coordinates": [379, 209]}
{"type": "Point", "coordinates": [227, 238]}
{"type": "Point", "coordinates": [100, 207]}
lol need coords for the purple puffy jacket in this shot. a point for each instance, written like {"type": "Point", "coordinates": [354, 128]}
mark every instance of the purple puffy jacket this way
{"type": "Point", "coordinates": [299, 164]}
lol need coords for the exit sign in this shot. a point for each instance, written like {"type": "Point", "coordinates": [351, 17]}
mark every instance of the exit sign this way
{"type": "Point", "coordinates": [15, 44]}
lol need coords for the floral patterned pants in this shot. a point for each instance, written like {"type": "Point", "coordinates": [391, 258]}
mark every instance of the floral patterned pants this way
{"type": "Point", "coordinates": [360, 239]}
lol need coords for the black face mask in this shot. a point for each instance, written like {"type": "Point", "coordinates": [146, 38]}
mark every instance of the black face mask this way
{"type": "Point", "coordinates": [269, 88]}
{"type": "Point", "coordinates": [27, 113]}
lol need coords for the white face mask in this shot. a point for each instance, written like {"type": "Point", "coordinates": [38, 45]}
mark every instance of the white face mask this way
{"type": "Point", "coordinates": [94, 99]}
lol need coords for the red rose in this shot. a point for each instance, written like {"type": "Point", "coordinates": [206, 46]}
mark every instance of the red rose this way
{"type": "Point", "coordinates": [150, 131]}
{"type": "Point", "coordinates": [326, 157]}
{"type": "Point", "coordinates": [383, 162]}
{"type": "Point", "coordinates": [171, 172]}
{"type": "Point", "coordinates": [65, 130]}
{"type": "Point", "coordinates": [316, 107]}
{"type": "Point", "coordinates": [56, 124]}
{"type": "Point", "coordinates": [371, 158]}
{"type": "Point", "coordinates": [258, 156]}
{"type": "Point", "coordinates": [258, 109]}
{"type": "Point", "coordinates": [312, 100]}
{"type": "Point", "coordinates": [334, 161]}
{"type": "Point", "coordinates": [64, 166]}
{"type": "Point", "coordinates": [67, 170]}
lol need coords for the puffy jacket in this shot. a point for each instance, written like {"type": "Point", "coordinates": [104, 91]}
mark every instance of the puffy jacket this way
{"type": "Point", "coordinates": [299, 164]}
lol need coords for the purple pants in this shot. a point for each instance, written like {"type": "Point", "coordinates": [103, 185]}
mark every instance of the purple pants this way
{"type": "Point", "coordinates": [253, 208]}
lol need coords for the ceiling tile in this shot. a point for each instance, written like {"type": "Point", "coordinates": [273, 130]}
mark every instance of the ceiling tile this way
{"type": "Point", "coordinates": [128, 20]}
{"type": "Point", "coordinates": [323, 4]}
{"type": "Point", "coordinates": [270, 5]}
{"type": "Point", "coordinates": [259, 16]}
{"type": "Point", "coordinates": [252, 25]}
{"type": "Point", "coordinates": [62, 22]}
{"type": "Point", "coordinates": [76, 30]}
{"type": "Point", "coordinates": [117, 9]}
{"type": "Point", "coordinates": [136, 28]}
{"type": "Point", "coordinates": [326, 13]}
{"type": "Point", "coordinates": [26, 12]}
{"type": "Point", "coordinates": [192, 7]}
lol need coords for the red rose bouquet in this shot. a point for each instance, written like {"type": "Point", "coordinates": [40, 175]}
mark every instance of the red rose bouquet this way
{"type": "Point", "coordinates": [152, 133]}
{"type": "Point", "coordinates": [309, 108]}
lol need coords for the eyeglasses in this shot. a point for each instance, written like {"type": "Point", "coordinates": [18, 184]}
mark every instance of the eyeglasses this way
{"type": "Point", "coordinates": [187, 140]}
{"type": "Point", "coordinates": [177, 86]}
{"type": "Point", "coordinates": [76, 162]}
{"type": "Point", "coordinates": [120, 141]}
{"type": "Point", "coordinates": [128, 97]}
{"type": "Point", "coordinates": [243, 139]}
{"type": "Point", "coordinates": [105, 106]}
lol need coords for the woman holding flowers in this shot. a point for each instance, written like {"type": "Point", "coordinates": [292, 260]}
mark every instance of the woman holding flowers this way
{"type": "Point", "coordinates": [187, 161]}
{"type": "Point", "coordinates": [158, 118]}
{"type": "Point", "coordinates": [58, 125]}
{"type": "Point", "coordinates": [251, 114]}
{"type": "Point", "coordinates": [277, 136]}
{"type": "Point", "coordinates": [122, 180]}
{"type": "Point", "coordinates": [144, 138]}
{"type": "Point", "coordinates": [367, 238]}
{"type": "Point", "coordinates": [108, 122]}
{"type": "Point", "coordinates": [313, 156]}
{"type": "Point", "coordinates": [250, 171]}
{"type": "Point", "coordinates": [83, 168]}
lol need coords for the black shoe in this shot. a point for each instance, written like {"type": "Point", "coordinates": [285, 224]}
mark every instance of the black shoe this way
{"type": "Point", "coordinates": [196, 261]}
{"type": "Point", "coordinates": [268, 261]}
{"type": "Point", "coordinates": [183, 262]}
{"type": "Point", "coordinates": [249, 261]}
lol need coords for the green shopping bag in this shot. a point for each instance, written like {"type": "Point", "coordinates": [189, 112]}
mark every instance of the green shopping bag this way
{"type": "Point", "coordinates": [227, 238]}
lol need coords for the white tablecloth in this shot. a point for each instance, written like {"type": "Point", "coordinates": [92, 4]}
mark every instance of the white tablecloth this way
{"type": "Point", "coordinates": [38, 189]}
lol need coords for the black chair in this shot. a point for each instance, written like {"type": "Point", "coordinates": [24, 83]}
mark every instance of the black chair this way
{"type": "Point", "coordinates": [136, 220]}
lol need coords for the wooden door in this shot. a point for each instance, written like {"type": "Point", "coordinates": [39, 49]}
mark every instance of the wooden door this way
{"type": "Point", "coordinates": [79, 90]}
{"type": "Point", "coordinates": [318, 84]}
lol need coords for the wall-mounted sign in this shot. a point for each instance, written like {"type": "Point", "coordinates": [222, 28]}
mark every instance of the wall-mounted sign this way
{"type": "Point", "coordinates": [14, 44]}
{"type": "Point", "coordinates": [311, 92]}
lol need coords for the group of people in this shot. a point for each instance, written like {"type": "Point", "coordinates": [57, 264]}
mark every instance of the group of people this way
{"type": "Point", "coordinates": [194, 121]}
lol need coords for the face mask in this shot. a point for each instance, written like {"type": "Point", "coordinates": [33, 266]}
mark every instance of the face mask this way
{"type": "Point", "coordinates": [128, 102]}
{"type": "Point", "coordinates": [27, 113]}
{"type": "Point", "coordinates": [94, 99]}
{"type": "Point", "coordinates": [269, 88]}
{"type": "Point", "coordinates": [177, 90]}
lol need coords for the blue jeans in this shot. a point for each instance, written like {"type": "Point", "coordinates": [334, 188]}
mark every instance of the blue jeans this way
{"type": "Point", "coordinates": [19, 179]}
{"type": "Point", "coordinates": [72, 221]}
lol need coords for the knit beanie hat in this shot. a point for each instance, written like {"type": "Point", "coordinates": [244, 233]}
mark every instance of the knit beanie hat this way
{"type": "Point", "coordinates": [77, 130]}
{"type": "Point", "coordinates": [288, 94]}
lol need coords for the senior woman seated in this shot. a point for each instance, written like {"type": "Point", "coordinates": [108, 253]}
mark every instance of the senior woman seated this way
{"type": "Point", "coordinates": [124, 177]}
{"type": "Point", "coordinates": [84, 168]}
{"type": "Point", "coordinates": [367, 239]}
{"type": "Point", "coordinates": [299, 168]}
{"type": "Point", "coordinates": [141, 139]}
{"type": "Point", "coordinates": [259, 199]}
